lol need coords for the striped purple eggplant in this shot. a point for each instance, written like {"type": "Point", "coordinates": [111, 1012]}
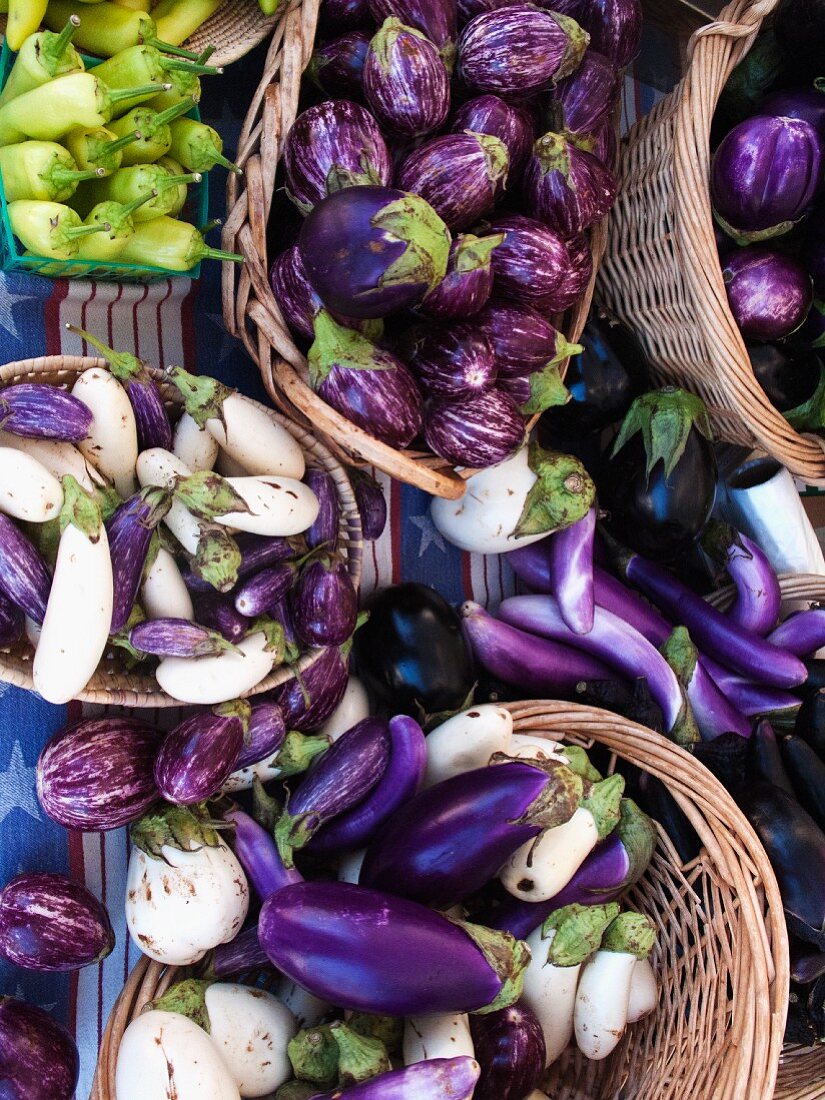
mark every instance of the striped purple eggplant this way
{"type": "Point", "coordinates": [324, 602]}
{"type": "Point", "coordinates": [98, 774]}
{"type": "Point", "coordinates": [510, 123]}
{"type": "Point", "coordinates": [469, 9]}
{"type": "Point", "coordinates": [198, 755]}
{"type": "Point", "coordinates": [524, 340]}
{"type": "Point", "coordinates": [337, 67]}
{"type": "Point", "coordinates": [375, 953]}
{"type": "Point", "coordinates": [238, 956]}
{"type": "Point", "coordinates": [468, 283]}
{"type": "Point", "coordinates": [296, 299]}
{"type": "Point", "coordinates": [571, 567]}
{"type": "Point", "coordinates": [434, 1079]}
{"type": "Point", "coordinates": [11, 622]}
{"type": "Point", "coordinates": [257, 552]}
{"type": "Point", "coordinates": [460, 175]}
{"type": "Point", "coordinates": [518, 50]}
{"type": "Point", "coordinates": [509, 1046]}
{"type": "Point", "coordinates": [38, 411]}
{"type": "Point", "coordinates": [257, 853]}
{"type": "Point", "coordinates": [449, 362]}
{"type": "Point", "coordinates": [405, 81]}
{"type": "Point", "coordinates": [24, 576]}
{"type": "Point", "coordinates": [371, 504]}
{"type": "Point", "coordinates": [474, 431]}
{"type": "Point", "coordinates": [331, 146]}
{"type": "Point", "coordinates": [326, 528]}
{"type": "Point", "coordinates": [566, 187]}
{"type": "Point", "coordinates": [399, 782]}
{"type": "Point", "coordinates": [130, 532]}
{"type": "Point", "coordinates": [264, 736]}
{"type": "Point", "coordinates": [603, 143]}
{"type": "Point", "coordinates": [307, 703]}
{"type": "Point", "coordinates": [434, 18]}
{"type": "Point", "coordinates": [218, 613]}
{"type": "Point", "coordinates": [452, 838]}
{"type": "Point", "coordinates": [578, 274]}
{"type": "Point", "coordinates": [49, 922]}
{"type": "Point", "coordinates": [531, 265]}
{"type": "Point", "coordinates": [177, 638]}
{"type": "Point", "coordinates": [614, 26]}
{"type": "Point", "coordinates": [38, 1056]}
{"type": "Point", "coordinates": [281, 612]}
{"type": "Point", "coordinates": [256, 595]}
{"type": "Point", "coordinates": [577, 104]}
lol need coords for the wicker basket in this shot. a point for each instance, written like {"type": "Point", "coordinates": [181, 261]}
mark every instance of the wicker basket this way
{"type": "Point", "coordinates": [661, 272]}
{"type": "Point", "coordinates": [113, 683]}
{"type": "Point", "coordinates": [250, 309]}
{"type": "Point", "coordinates": [722, 950]}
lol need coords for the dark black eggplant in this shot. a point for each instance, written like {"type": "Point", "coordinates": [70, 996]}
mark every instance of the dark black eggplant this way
{"type": "Point", "coordinates": [788, 376]}
{"type": "Point", "coordinates": [799, 26]}
{"type": "Point", "coordinates": [411, 652]}
{"type": "Point", "coordinates": [766, 760]}
{"type": "Point", "coordinates": [810, 722]}
{"type": "Point", "coordinates": [807, 774]}
{"type": "Point", "coordinates": [658, 803]}
{"type": "Point", "coordinates": [510, 1048]}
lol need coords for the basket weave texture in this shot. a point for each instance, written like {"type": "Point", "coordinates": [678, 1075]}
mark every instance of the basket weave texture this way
{"type": "Point", "coordinates": [661, 273]}
{"type": "Point", "coordinates": [113, 683]}
{"type": "Point", "coordinates": [721, 951]}
{"type": "Point", "coordinates": [250, 309]}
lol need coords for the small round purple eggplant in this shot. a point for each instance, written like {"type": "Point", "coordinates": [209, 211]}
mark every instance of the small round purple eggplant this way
{"type": "Point", "coordinates": [405, 81]}
{"type": "Point", "coordinates": [467, 286]}
{"type": "Point", "coordinates": [307, 703]}
{"type": "Point", "coordinates": [264, 736]}
{"type": "Point", "coordinates": [509, 1046]}
{"type": "Point", "coordinates": [325, 603]}
{"type": "Point", "coordinates": [510, 123]}
{"type": "Point", "coordinates": [450, 362]}
{"type": "Point", "coordinates": [330, 147]}
{"type": "Point", "coordinates": [807, 104]}
{"type": "Point", "coordinates": [566, 187]}
{"type": "Point", "coordinates": [371, 502]}
{"type": "Point", "coordinates": [326, 528]}
{"type": "Point", "coordinates": [24, 576]}
{"type": "Point", "coordinates": [11, 622]}
{"type": "Point", "coordinates": [218, 613]}
{"type": "Point", "coordinates": [444, 1078]}
{"type": "Point", "coordinates": [369, 251]}
{"type": "Point", "coordinates": [518, 50]}
{"type": "Point", "coordinates": [98, 774]}
{"type": "Point", "coordinates": [337, 67]}
{"type": "Point", "coordinates": [198, 755]}
{"type": "Point", "coordinates": [337, 16]}
{"type": "Point", "coordinates": [579, 102]}
{"type": "Point", "coordinates": [532, 263]}
{"type": "Point", "coordinates": [39, 411]}
{"type": "Point", "coordinates": [769, 293]}
{"type": "Point", "coordinates": [38, 1056]}
{"type": "Point", "coordinates": [459, 175]}
{"type": "Point", "coordinates": [130, 532]}
{"type": "Point", "coordinates": [523, 340]}
{"type": "Point", "coordinates": [48, 922]}
{"type": "Point", "coordinates": [434, 18]}
{"type": "Point", "coordinates": [256, 595]}
{"type": "Point", "coordinates": [614, 26]}
{"type": "Point", "coordinates": [476, 431]}
{"type": "Point", "coordinates": [177, 638]}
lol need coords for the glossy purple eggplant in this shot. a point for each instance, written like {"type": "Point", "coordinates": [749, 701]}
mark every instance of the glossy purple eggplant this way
{"type": "Point", "coordinates": [452, 838]}
{"type": "Point", "coordinates": [337, 67]}
{"type": "Point", "coordinates": [264, 736]}
{"type": "Point", "coordinates": [531, 265]}
{"type": "Point", "coordinates": [306, 703]}
{"type": "Point", "coordinates": [460, 175]}
{"type": "Point", "coordinates": [198, 755]}
{"type": "Point", "coordinates": [603, 143]}
{"type": "Point", "coordinates": [130, 532]}
{"type": "Point", "coordinates": [509, 1046]}
{"type": "Point", "coordinates": [469, 9]}
{"type": "Point", "coordinates": [177, 638]}
{"type": "Point", "coordinates": [802, 633]}
{"type": "Point", "coordinates": [324, 531]}
{"type": "Point", "coordinates": [614, 26]}
{"type": "Point", "coordinates": [332, 146]}
{"type": "Point", "coordinates": [510, 123]}
{"type": "Point", "coordinates": [325, 603]}
{"type": "Point", "coordinates": [257, 552]}
{"type": "Point", "coordinates": [297, 300]}
{"type": "Point", "coordinates": [406, 82]}
{"type": "Point", "coordinates": [11, 622]}
{"type": "Point", "coordinates": [97, 774]}
{"type": "Point", "coordinates": [769, 294]}
{"type": "Point", "coordinates": [376, 953]}
{"type": "Point", "coordinates": [48, 922]}
{"type": "Point", "coordinates": [256, 595]}
{"type": "Point", "coordinates": [371, 503]}
{"type": "Point", "coordinates": [577, 104]}
{"type": "Point", "coordinates": [524, 341]}
{"type": "Point", "coordinates": [571, 566]}
{"type": "Point", "coordinates": [758, 595]}
{"type": "Point", "coordinates": [281, 612]}
{"type": "Point", "coordinates": [218, 613]}
{"type": "Point", "coordinates": [565, 186]}
{"type": "Point", "coordinates": [449, 362]}
{"type": "Point", "coordinates": [38, 411]}
{"type": "Point", "coordinates": [38, 1056]}
{"type": "Point", "coordinates": [750, 699]}
{"type": "Point", "coordinates": [258, 854]}
{"type": "Point", "coordinates": [518, 50]}
{"type": "Point", "coordinates": [434, 18]}
{"type": "Point", "coordinates": [476, 431]}
{"type": "Point", "coordinates": [238, 956]}
{"type": "Point", "coordinates": [807, 104]}
{"type": "Point", "coordinates": [468, 283]}
{"type": "Point", "coordinates": [24, 577]}
{"type": "Point", "coordinates": [435, 1079]}
{"type": "Point", "coordinates": [579, 273]}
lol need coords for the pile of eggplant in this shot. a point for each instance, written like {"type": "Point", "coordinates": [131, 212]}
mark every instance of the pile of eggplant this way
{"type": "Point", "coordinates": [448, 164]}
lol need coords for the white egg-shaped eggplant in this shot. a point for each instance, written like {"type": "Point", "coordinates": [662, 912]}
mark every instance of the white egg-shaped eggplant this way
{"type": "Point", "coordinates": [27, 490]}
{"type": "Point", "coordinates": [164, 594]}
{"type": "Point", "coordinates": [195, 447]}
{"type": "Point", "coordinates": [277, 506]}
{"type": "Point", "coordinates": [112, 445]}
{"type": "Point", "coordinates": [353, 708]}
{"type": "Point", "coordinates": [467, 741]}
{"type": "Point", "coordinates": [59, 458]}
{"type": "Point", "coordinates": [251, 1029]}
{"type": "Point", "coordinates": [307, 1009]}
{"type": "Point", "coordinates": [228, 675]}
{"type": "Point", "coordinates": [427, 1037]}
{"type": "Point", "coordinates": [523, 746]}
{"type": "Point", "coordinates": [644, 991]}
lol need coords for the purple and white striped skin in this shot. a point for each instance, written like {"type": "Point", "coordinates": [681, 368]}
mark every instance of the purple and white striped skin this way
{"type": "Point", "coordinates": [296, 298]}
{"type": "Point", "coordinates": [177, 638]}
{"type": "Point", "coordinates": [331, 146]}
{"type": "Point", "coordinates": [371, 502]}
{"type": "Point", "coordinates": [435, 1079]}
{"type": "Point", "coordinates": [571, 567]}
{"type": "Point", "coordinates": [450, 362]}
{"type": "Point", "coordinates": [434, 18]}
{"type": "Point", "coordinates": [510, 123]}
{"type": "Point", "coordinates": [474, 431]}
{"type": "Point", "coordinates": [258, 593]}
{"type": "Point", "coordinates": [578, 103]}
{"type": "Point", "coordinates": [258, 855]}
{"type": "Point", "coordinates": [524, 341]}
{"type": "Point", "coordinates": [747, 697]}
{"type": "Point", "coordinates": [769, 294]}
{"type": "Point", "coordinates": [198, 756]}
{"type": "Point", "coordinates": [758, 596]}
{"type": "Point", "coordinates": [325, 529]}
{"type": "Point", "coordinates": [129, 532]}
{"type": "Point", "coordinates": [38, 1056]}
{"type": "Point", "coordinates": [325, 603]}
{"type": "Point", "coordinates": [406, 83]}
{"type": "Point", "coordinates": [48, 922]}
{"type": "Point", "coordinates": [11, 622]}
{"type": "Point", "coordinates": [469, 9]}
{"type": "Point", "coordinates": [460, 175]}
{"type": "Point", "coordinates": [603, 144]}
{"type": "Point", "coordinates": [509, 1046]}
{"type": "Point", "coordinates": [281, 612]}
{"type": "Point", "coordinates": [453, 837]}
{"type": "Point", "coordinates": [237, 956]}
{"type": "Point", "coordinates": [264, 736]}
{"type": "Point", "coordinates": [531, 264]}
{"type": "Point", "coordinates": [802, 633]}
{"type": "Point", "coordinates": [376, 953]}
{"type": "Point", "coordinates": [257, 552]}
{"type": "Point", "coordinates": [518, 50]}
{"type": "Point", "coordinates": [400, 781]}
{"type": "Point", "coordinates": [614, 26]}
{"type": "Point", "coordinates": [579, 273]}
{"type": "Point", "coordinates": [306, 704]}
{"type": "Point", "coordinates": [468, 283]}
{"type": "Point", "coordinates": [337, 67]}
{"type": "Point", "coordinates": [98, 774]}
{"type": "Point", "coordinates": [565, 187]}
{"type": "Point", "coordinates": [24, 576]}
{"type": "Point", "coordinates": [218, 613]}
{"type": "Point", "coordinates": [38, 411]}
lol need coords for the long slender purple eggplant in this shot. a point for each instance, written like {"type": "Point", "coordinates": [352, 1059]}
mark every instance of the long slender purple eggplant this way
{"type": "Point", "coordinates": [614, 596]}
{"type": "Point", "coordinates": [405, 80]}
{"type": "Point", "coordinates": [340, 15]}
{"type": "Point", "coordinates": [264, 736]}
{"type": "Point", "coordinates": [238, 956]}
{"type": "Point", "coordinates": [38, 1056]}
{"type": "Point", "coordinates": [177, 638]}
{"type": "Point", "coordinates": [257, 552]}
{"type": "Point", "coordinates": [307, 701]}
{"type": "Point", "coordinates": [11, 622]}
{"type": "Point", "coordinates": [24, 577]}
{"type": "Point", "coordinates": [198, 756]}
{"type": "Point", "coordinates": [398, 784]}
{"type": "Point", "coordinates": [565, 186]}
{"type": "Point", "coordinates": [468, 283]}
{"type": "Point", "coordinates": [325, 529]}
{"type": "Point", "coordinates": [258, 855]}
{"type": "Point", "coordinates": [218, 613]}
{"type": "Point", "coordinates": [371, 503]}
{"type": "Point", "coordinates": [510, 1048]}
{"type": "Point", "coordinates": [98, 773]}
{"type": "Point", "coordinates": [452, 838]}
{"type": "Point", "coordinates": [281, 612]}
{"type": "Point", "coordinates": [755, 700]}
{"type": "Point", "coordinates": [802, 633]}
{"type": "Point", "coordinates": [376, 953]}
{"type": "Point", "coordinates": [435, 1079]}
{"type": "Point", "coordinates": [347, 771]}
{"type": "Point", "coordinates": [714, 710]}
{"type": "Point", "coordinates": [325, 603]}
{"type": "Point", "coordinates": [38, 411]}
{"type": "Point", "coordinates": [758, 596]}
{"type": "Point", "coordinates": [259, 592]}
{"type": "Point", "coordinates": [49, 922]}
{"type": "Point", "coordinates": [510, 123]}
{"type": "Point", "coordinates": [571, 564]}
{"type": "Point", "coordinates": [130, 533]}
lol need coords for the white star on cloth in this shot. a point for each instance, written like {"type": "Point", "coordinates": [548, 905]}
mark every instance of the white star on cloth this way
{"type": "Point", "coordinates": [428, 534]}
{"type": "Point", "coordinates": [8, 300]}
{"type": "Point", "coordinates": [17, 787]}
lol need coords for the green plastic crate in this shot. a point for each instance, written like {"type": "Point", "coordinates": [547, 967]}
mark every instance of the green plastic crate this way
{"type": "Point", "coordinates": [12, 256]}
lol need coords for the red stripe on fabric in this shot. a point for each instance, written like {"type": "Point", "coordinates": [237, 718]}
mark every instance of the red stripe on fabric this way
{"type": "Point", "coordinates": [159, 314]}
{"type": "Point", "coordinates": [51, 317]}
{"type": "Point", "coordinates": [83, 309]}
{"type": "Point", "coordinates": [395, 527]}
{"type": "Point", "coordinates": [110, 317]}
{"type": "Point", "coordinates": [128, 938]}
{"type": "Point", "coordinates": [135, 326]}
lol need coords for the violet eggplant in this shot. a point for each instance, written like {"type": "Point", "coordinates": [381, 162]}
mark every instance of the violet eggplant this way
{"type": "Point", "coordinates": [337, 67]}
{"type": "Point", "coordinates": [749, 698]}
{"type": "Point", "coordinates": [375, 953]}
{"type": "Point", "coordinates": [449, 362]}
{"type": "Point", "coordinates": [436, 1079]}
{"type": "Point", "coordinates": [218, 613]}
{"type": "Point", "coordinates": [129, 532]}
{"type": "Point", "coordinates": [177, 638]}
{"type": "Point", "coordinates": [399, 782]}
{"type": "Point", "coordinates": [769, 294]}
{"type": "Point", "coordinates": [716, 712]}
{"type": "Point", "coordinates": [510, 123]}
{"type": "Point", "coordinates": [758, 596]}
{"type": "Point", "coordinates": [257, 552]}
{"type": "Point", "coordinates": [806, 965]}
{"type": "Point", "coordinates": [307, 701]}
{"type": "Point", "coordinates": [571, 565]}
{"type": "Point", "coordinates": [198, 755]}
{"type": "Point", "coordinates": [810, 722]}
{"type": "Point", "coordinates": [518, 50]}
{"type": "Point", "coordinates": [24, 577]}
{"type": "Point", "coordinates": [434, 18]}
{"type": "Point", "coordinates": [97, 774]}
{"type": "Point", "coordinates": [602, 143]}
{"type": "Point", "coordinates": [324, 531]}
{"type": "Point", "coordinates": [566, 187]}
{"type": "Point", "coordinates": [764, 176]}
{"type": "Point", "coordinates": [406, 82]}
{"type": "Point", "coordinates": [476, 431]}
{"type": "Point", "coordinates": [577, 104]}
{"type": "Point", "coordinates": [38, 1056]}
{"type": "Point", "coordinates": [39, 411]}
{"type": "Point", "coordinates": [238, 956]}
{"type": "Point", "coordinates": [343, 776]}
{"type": "Point", "coordinates": [452, 838]}
{"type": "Point", "coordinates": [579, 273]}
{"type": "Point", "coordinates": [330, 147]}
{"type": "Point", "coordinates": [523, 340]}
{"type": "Point", "coordinates": [469, 9]}
{"type": "Point", "coordinates": [264, 735]}
{"type": "Point", "coordinates": [257, 853]}
{"type": "Point", "coordinates": [807, 104]}
{"type": "Point", "coordinates": [256, 595]}
{"type": "Point", "coordinates": [531, 264]}
{"type": "Point", "coordinates": [802, 633]}
{"type": "Point", "coordinates": [371, 504]}
{"type": "Point", "coordinates": [11, 622]}
{"type": "Point", "coordinates": [325, 603]}
{"type": "Point", "coordinates": [460, 175]}
{"type": "Point", "coordinates": [807, 774]}
{"type": "Point", "coordinates": [614, 26]}
{"type": "Point", "coordinates": [297, 300]}
{"type": "Point", "coordinates": [48, 922]}
{"type": "Point", "coordinates": [468, 283]}
{"type": "Point", "coordinates": [509, 1046]}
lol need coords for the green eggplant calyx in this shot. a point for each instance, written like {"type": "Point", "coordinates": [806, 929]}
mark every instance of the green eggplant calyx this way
{"type": "Point", "coordinates": [578, 931]}
{"type": "Point", "coordinates": [266, 810]}
{"type": "Point", "coordinates": [577, 42]}
{"type": "Point", "coordinates": [207, 495]}
{"type": "Point", "coordinates": [579, 762]}
{"type": "Point", "coordinates": [235, 708]}
{"type": "Point", "coordinates": [360, 1057]}
{"type": "Point", "coordinates": [506, 956]}
{"type": "Point", "coordinates": [123, 641]}
{"type": "Point", "coordinates": [563, 493]}
{"type": "Point", "coordinates": [389, 1029]}
{"type": "Point", "coordinates": [557, 801]}
{"type": "Point", "coordinates": [292, 832]}
{"type": "Point", "coordinates": [665, 418]}
{"type": "Point", "coordinates": [203, 397]}
{"type": "Point", "coordinates": [630, 933]}
{"type": "Point", "coordinates": [337, 346]}
{"type": "Point", "coordinates": [189, 999]}
{"type": "Point", "coordinates": [547, 390]}
{"type": "Point", "coordinates": [314, 1055]}
{"type": "Point", "coordinates": [553, 153]}
{"type": "Point", "coordinates": [80, 509]}
{"type": "Point", "coordinates": [684, 731]}
{"type": "Point", "coordinates": [681, 654]}
{"type": "Point", "coordinates": [297, 752]}
{"type": "Point", "coordinates": [385, 41]}
{"type": "Point", "coordinates": [273, 632]}
{"type": "Point", "coordinates": [413, 221]}
{"type": "Point", "coordinates": [810, 416]}
{"type": "Point", "coordinates": [187, 828]}
{"type": "Point", "coordinates": [218, 557]}
{"type": "Point", "coordinates": [604, 803]}
{"type": "Point", "coordinates": [752, 236]}
{"type": "Point", "coordinates": [717, 540]}
{"type": "Point", "coordinates": [495, 155]}
{"type": "Point", "coordinates": [474, 253]}
{"type": "Point", "coordinates": [638, 836]}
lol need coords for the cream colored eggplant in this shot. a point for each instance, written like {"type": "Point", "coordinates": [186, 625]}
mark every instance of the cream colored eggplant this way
{"type": "Point", "coordinates": [111, 446]}
{"type": "Point", "coordinates": [523, 746]}
{"type": "Point", "coordinates": [307, 1009]}
{"type": "Point", "coordinates": [353, 708]}
{"type": "Point", "coordinates": [59, 458]}
{"type": "Point", "coordinates": [467, 741]}
{"type": "Point", "coordinates": [228, 675]}
{"type": "Point", "coordinates": [162, 468]}
{"type": "Point", "coordinates": [428, 1037]}
{"type": "Point", "coordinates": [27, 490]}
{"type": "Point", "coordinates": [259, 445]}
{"type": "Point", "coordinates": [164, 594]}
{"type": "Point", "coordinates": [644, 991]}
{"type": "Point", "coordinates": [251, 1029]}
{"type": "Point", "coordinates": [195, 447]}
{"type": "Point", "coordinates": [277, 506]}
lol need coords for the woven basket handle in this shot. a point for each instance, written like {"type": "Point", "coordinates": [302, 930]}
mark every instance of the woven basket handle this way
{"type": "Point", "coordinates": [748, 24]}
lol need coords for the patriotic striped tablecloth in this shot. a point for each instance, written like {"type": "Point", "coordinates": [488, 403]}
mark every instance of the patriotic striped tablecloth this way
{"type": "Point", "coordinates": [175, 322]}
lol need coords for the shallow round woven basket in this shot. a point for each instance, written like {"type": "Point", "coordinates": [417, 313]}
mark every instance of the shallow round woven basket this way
{"type": "Point", "coordinates": [661, 273]}
{"type": "Point", "coordinates": [721, 951]}
{"type": "Point", "coordinates": [113, 683]}
{"type": "Point", "coordinates": [250, 309]}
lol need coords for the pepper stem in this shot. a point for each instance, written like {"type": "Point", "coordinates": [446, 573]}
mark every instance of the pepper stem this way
{"type": "Point", "coordinates": [59, 174]}
{"type": "Point", "coordinates": [208, 253]}
{"type": "Point", "coordinates": [135, 204]}
{"type": "Point", "coordinates": [54, 45]}
{"type": "Point", "coordinates": [116, 144]}
{"type": "Point", "coordinates": [122, 364]}
{"type": "Point", "coordinates": [207, 53]}
{"type": "Point", "coordinates": [173, 112]}
{"type": "Point", "coordinates": [196, 68]}
{"type": "Point", "coordinates": [226, 163]}
{"type": "Point", "coordinates": [167, 47]}
{"type": "Point", "coordinates": [117, 95]}
{"type": "Point", "coordinates": [174, 181]}
{"type": "Point", "coordinates": [215, 223]}
{"type": "Point", "coordinates": [75, 232]}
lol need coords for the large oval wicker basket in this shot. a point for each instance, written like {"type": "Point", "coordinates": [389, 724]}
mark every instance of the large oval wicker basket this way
{"type": "Point", "coordinates": [250, 309]}
{"type": "Point", "coordinates": [721, 951]}
{"type": "Point", "coordinates": [113, 683]}
{"type": "Point", "coordinates": [661, 272]}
